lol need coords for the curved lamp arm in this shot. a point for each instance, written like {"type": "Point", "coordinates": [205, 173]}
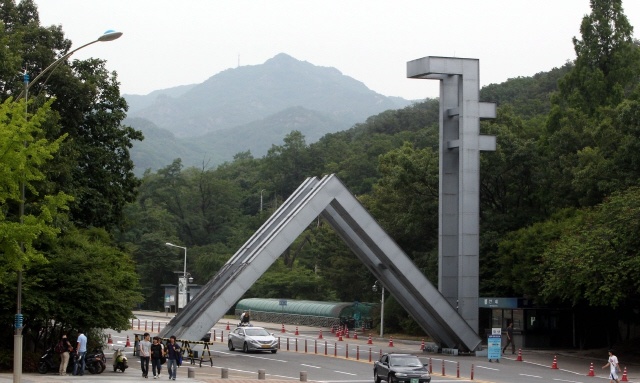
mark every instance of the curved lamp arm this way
{"type": "Point", "coordinates": [109, 35]}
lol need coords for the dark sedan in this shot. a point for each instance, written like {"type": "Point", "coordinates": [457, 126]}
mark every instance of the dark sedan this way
{"type": "Point", "coordinates": [400, 368]}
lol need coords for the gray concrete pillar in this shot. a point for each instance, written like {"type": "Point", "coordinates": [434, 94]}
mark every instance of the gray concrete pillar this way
{"type": "Point", "coordinates": [191, 372]}
{"type": "Point", "coordinates": [303, 376]}
{"type": "Point", "coordinates": [224, 373]}
{"type": "Point", "coordinates": [261, 374]}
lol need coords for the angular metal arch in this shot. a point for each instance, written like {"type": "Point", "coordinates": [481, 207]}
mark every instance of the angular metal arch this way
{"type": "Point", "coordinates": [373, 246]}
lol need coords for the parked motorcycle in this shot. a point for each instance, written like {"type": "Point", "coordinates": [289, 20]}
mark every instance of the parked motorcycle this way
{"type": "Point", "coordinates": [95, 361]}
{"type": "Point", "coordinates": [119, 360]}
{"type": "Point", "coordinates": [48, 363]}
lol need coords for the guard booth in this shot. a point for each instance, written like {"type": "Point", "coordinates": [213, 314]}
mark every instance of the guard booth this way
{"type": "Point", "coordinates": [170, 294]}
{"type": "Point", "coordinates": [533, 326]}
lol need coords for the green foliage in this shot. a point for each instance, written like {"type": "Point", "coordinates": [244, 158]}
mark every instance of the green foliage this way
{"type": "Point", "coordinates": [596, 259]}
{"type": "Point", "coordinates": [23, 151]}
{"type": "Point", "coordinates": [87, 283]}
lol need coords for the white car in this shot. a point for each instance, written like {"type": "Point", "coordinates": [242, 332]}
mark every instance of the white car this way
{"type": "Point", "coordinates": [252, 339]}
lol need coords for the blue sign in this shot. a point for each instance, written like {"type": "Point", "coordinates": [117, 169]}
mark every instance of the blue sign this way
{"type": "Point", "coordinates": [494, 343]}
{"type": "Point", "coordinates": [283, 302]}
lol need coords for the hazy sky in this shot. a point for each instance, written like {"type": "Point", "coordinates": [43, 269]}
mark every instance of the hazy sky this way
{"type": "Point", "coordinates": [167, 43]}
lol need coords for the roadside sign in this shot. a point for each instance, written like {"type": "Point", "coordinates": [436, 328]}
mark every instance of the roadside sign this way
{"type": "Point", "coordinates": [494, 345]}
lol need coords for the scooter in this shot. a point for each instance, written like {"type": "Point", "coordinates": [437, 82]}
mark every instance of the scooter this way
{"type": "Point", "coordinates": [95, 361]}
{"type": "Point", "coordinates": [48, 363]}
{"type": "Point", "coordinates": [119, 360]}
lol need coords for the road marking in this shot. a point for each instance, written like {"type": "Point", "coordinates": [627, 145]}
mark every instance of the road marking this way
{"type": "Point", "coordinates": [308, 365]}
{"type": "Point", "coordinates": [532, 376]}
{"type": "Point", "coordinates": [342, 372]}
{"type": "Point", "coordinates": [569, 381]}
{"type": "Point", "coordinates": [489, 368]}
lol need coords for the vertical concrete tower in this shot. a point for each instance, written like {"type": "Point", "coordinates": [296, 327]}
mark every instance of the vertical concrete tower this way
{"type": "Point", "coordinates": [460, 146]}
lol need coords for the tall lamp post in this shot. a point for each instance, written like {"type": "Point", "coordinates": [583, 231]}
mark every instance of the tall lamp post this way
{"type": "Point", "coordinates": [375, 289]}
{"type": "Point", "coordinates": [182, 285]}
{"type": "Point", "coordinates": [109, 35]}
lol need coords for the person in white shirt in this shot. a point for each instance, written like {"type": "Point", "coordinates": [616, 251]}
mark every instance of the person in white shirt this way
{"type": "Point", "coordinates": [612, 363]}
{"type": "Point", "coordinates": [145, 355]}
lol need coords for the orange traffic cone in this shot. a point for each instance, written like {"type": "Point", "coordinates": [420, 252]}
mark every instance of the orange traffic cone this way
{"type": "Point", "coordinates": [555, 363]}
{"type": "Point", "coordinates": [347, 332]}
{"type": "Point", "coordinates": [297, 333]}
{"type": "Point", "coordinates": [128, 344]}
{"type": "Point", "coordinates": [340, 336]}
{"type": "Point", "coordinates": [355, 334]}
{"type": "Point", "coordinates": [283, 331]}
{"type": "Point", "coordinates": [422, 346]}
{"type": "Point", "coordinates": [110, 341]}
{"type": "Point", "coordinates": [228, 326]}
{"type": "Point", "coordinates": [320, 335]}
{"type": "Point", "coordinates": [370, 341]}
{"type": "Point", "coordinates": [391, 342]}
{"type": "Point", "coordinates": [519, 359]}
{"type": "Point", "coordinates": [624, 376]}
{"type": "Point", "coordinates": [591, 372]}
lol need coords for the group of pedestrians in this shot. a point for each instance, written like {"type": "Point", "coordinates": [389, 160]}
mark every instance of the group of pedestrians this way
{"type": "Point", "coordinates": [157, 353]}
{"type": "Point", "coordinates": [66, 351]}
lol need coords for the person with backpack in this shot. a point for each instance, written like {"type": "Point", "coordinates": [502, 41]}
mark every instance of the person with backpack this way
{"type": "Point", "coordinates": [174, 357]}
{"type": "Point", "coordinates": [156, 357]}
{"type": "Point", "coordinates": [63, 348]}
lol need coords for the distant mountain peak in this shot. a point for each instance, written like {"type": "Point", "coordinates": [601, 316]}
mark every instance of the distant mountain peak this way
{"type": "Point", "coordinates": [282, 57]}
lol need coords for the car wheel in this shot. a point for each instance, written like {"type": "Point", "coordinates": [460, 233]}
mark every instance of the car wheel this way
{"type": "Point", "coordinates": [390, 378]}
{"type": "Point", "coordinates": [115, 368]}
{"type": "Point", "coordinates": [231, 348]}
{"type": "Point", "coordinates": [274, 351]}
{"type": "Point", "coordinates": [376, 378]}
{"type": "Point", "coordinates": [245, 347]}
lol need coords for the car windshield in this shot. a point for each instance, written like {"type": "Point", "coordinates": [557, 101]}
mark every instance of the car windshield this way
{"type": "Point", "coordinates": [256, 332]}
{"type": "Point", "coordinates": [405, 361]}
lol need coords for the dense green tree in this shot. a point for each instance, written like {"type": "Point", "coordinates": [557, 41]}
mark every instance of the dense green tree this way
{"type": "Point", "coordinates": [23, 151]}
{"type": "Point", "coordinates": [89, 109]}
{"type": "Point", "coordinates": [596, 260]}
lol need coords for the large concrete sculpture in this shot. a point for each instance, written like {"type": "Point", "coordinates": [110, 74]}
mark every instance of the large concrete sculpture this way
{"type": "Point", "coordinates": [329, 198]}
{"type": "Point", "coordinates": [460, 146]}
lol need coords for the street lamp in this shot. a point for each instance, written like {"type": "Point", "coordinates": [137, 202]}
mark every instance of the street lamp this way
{"type": "Point", "coordinates": [375, 289]}
{"type": "Point", "coordinates": [109, 35]}
{"type": "Point", "coordinates": [182, 283]}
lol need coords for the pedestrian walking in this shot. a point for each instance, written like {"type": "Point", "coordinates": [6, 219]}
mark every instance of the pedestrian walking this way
{"type": "Point", "coordinates": [173, 357]}
{"type": "Point", "coordinates": [145, 355]}
{"type": "Point", "coordinates": [156, 357]}
{"type": "Point", "coordinates": [510, 339]}
{"type": "Point", "coordinates": [614, 368]}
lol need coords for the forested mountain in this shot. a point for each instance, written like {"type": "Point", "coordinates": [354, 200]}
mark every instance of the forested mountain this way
{"type": "Point", "coordinates": [248, 108]}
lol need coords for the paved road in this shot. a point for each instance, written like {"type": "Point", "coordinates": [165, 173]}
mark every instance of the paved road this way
{"type": "Point", "coordinates": [347, 361]}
